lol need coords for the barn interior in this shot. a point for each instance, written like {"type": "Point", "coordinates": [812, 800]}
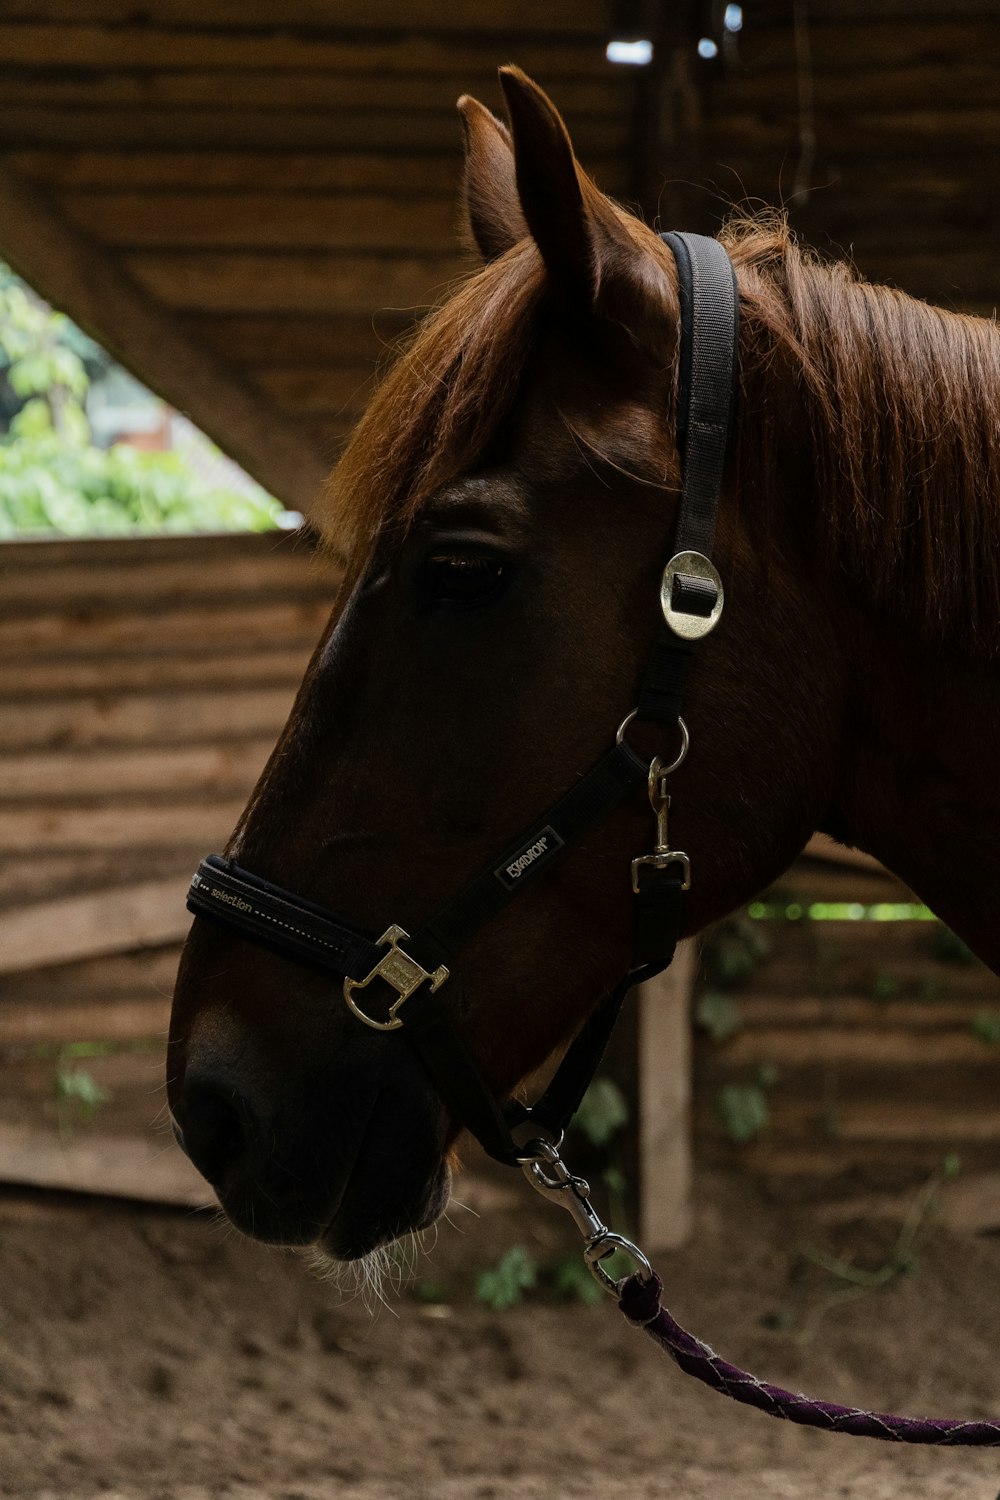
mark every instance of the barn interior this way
{"type": "Point", "coordinates": [248, 203]}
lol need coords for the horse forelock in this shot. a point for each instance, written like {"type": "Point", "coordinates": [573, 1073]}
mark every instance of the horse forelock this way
{"type": "Point", "coordinates": [902, 414]}
{"type": "Point", "coordinates": [438, 405]}
{"type": "Point", "coordinates": [437, 408]}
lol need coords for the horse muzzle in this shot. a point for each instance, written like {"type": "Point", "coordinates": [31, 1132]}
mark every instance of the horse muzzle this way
{"type": "Point", "coordinates": [326, 1167]}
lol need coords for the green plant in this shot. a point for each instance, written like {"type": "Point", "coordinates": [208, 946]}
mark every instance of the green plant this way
{"type": "Point", "coordinates": [78, 1094]}
{"type": "Point", "coordinates": [733, 951]}
{"type": "Point", "coordinates": [902, 1260]}
{"type": "Point", "coordinates": [718, 1015]}
{"type": "Point", "coordinates": [884, 986]}
{"type": "Point", "coordinates": [742, 1108]}
{"type": "Point", "coordinates": [948, 947]}
{"type": "Point", "coordinates": [54, 480]}
{"type": "Point", "coordinates": [603, 1112]}
{"type": "Point", "coordinates": [985, 1025]}
{"type": "Point", "coordinates": [504, 1284]}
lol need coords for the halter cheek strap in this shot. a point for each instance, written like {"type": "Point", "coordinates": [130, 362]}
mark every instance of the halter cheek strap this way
{"type": "Point", "coordinates": [396, 982]}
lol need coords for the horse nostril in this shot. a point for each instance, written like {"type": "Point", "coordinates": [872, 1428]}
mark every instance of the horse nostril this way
{"type": "Point", "coordinates": [215, 1126]}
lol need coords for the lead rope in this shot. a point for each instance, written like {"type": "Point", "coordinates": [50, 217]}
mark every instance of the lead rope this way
{"type": "Point", "coordinates": [638, 1297]}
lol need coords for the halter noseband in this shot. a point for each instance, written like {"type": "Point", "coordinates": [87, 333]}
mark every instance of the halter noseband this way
{"type": "Point", "coordinates": [412, 970]}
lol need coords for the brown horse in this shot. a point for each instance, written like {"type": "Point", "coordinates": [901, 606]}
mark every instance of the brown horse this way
{"type": "Point", "coordinates": [505, 509]}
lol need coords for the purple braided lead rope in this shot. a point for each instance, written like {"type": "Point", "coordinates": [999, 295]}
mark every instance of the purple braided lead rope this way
{"type": "Point", "coordinates": [640, 1302]}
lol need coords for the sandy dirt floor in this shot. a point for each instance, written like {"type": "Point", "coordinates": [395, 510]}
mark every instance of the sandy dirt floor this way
{"type": "Point", "coordinates": [151, 1355]}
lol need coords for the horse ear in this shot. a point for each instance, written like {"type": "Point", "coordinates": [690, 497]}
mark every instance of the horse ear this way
{"type": "Point", "coordinates": [491, 200]}
{"type": "Point", "coordinates": [590, 249]}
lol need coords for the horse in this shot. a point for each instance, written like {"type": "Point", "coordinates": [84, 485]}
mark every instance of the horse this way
{"type": "Point", "coordinates": [503, 512]}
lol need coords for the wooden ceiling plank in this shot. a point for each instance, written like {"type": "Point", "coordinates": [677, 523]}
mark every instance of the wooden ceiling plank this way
{"type": "Point", "coordinates": [28, 125]}
{"type": "Point", "coordinates": [873, 45]}
{"type": "Point", "coordinates": [248, 282]}
{"type": "Point", "coordinates": [526, 15]}
{"type": "Point", "coordinates": [406, 175]}
{"type": "Point", "coordinates": [281, 89]}
{"type": "Point", "coordinates": [427, 49]}
{"type": "Point", "coordinates": [910, 86]}
{"type": "Point", "coordinates": [335, 389]}
{"type": "Point", "coordinates": [306, 14]}
{"type": "Point", "coordinates": [82, 279]}
{"type": "Point", "coordinates": [266, 220]}
{"type": "Point", "coordinates": [322, 342]}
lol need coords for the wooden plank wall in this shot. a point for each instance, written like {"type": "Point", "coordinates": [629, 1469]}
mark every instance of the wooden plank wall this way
{"type": "Point", "coordinates": [892, 109]}
{"type": "Point", "coordinates": [872, 1040]}
{"type": "Point", "coordinates": [283, 178]}
{"type": "Point", "coordinates": [142, 685]}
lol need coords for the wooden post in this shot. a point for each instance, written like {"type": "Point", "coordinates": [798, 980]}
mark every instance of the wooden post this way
{"type": "Point", "coordinates": [664, 1067]}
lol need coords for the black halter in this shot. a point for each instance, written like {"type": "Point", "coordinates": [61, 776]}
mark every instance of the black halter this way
{"type": "Point", "coordinates": [410, 971]}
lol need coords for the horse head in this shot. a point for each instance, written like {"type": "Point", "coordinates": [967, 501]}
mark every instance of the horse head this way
{"type": "Point", "coordinates": [505, 509]}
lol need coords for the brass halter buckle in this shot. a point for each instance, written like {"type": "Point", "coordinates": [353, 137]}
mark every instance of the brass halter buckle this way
{"type": "Point", "coordinates": [401, 971]}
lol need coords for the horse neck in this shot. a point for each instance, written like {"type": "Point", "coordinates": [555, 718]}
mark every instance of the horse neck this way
{"type": "Point", "coordinates": [905, 429]}
{"type": "Point", "coordinates": [893, 410]}
{"type": "Point", "coordinates": [917, 784]}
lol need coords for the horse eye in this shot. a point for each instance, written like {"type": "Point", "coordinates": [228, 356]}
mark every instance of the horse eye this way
{"type": "Point", "coordinates": [462, 578]}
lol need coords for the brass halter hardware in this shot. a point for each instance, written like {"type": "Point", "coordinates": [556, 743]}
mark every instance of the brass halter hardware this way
{"type": "Point", "coordinates": [401, 971]}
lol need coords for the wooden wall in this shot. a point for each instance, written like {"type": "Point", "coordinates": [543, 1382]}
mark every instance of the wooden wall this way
{"type": "Point", "coordinates": [142, 685]}
{"type": "Point", "coordinates": [279, 181]}
{"type": "Point", "coordinates": [875, 1043]}
{"type": "Point", "coordinates": [282, 179]}
{"type": "Point", "coordinates": [893, 112]}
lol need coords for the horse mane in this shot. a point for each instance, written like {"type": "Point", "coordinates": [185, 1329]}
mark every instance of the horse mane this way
{"type": "Point", "coordinates": [438, 406]}
{"type": "Point", "coordinates": [902, 401]}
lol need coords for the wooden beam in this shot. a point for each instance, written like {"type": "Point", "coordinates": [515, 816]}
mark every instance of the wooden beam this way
{"type": "Point", "coordinates": [145, 719]}
{"type": "Point", "coordinates": [250, 130]}
{"type": "Point", "coordinates": [270, 42]}
{"type": "Point", "coordinates": [111, 826]}
{"type": "Point", "coordinates": [82, 279]}
{"type": "Point", "coordinates": [203, 770]}
{"type": "Point", "coordinates": [40, 1023]}
{"type": "Point", "coordinates": [108, 921]}
{"type": "Point", "coordinates": [147, 1168]}
{"type": "Point", "coordinates": [248, 281]}
{"type": "Point", "coordinates": [414, 175]}
{"type": "Point", "coordinates": [664, 1044]}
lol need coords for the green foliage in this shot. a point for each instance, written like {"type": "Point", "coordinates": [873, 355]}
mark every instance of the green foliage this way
{"type": "Point", "coordinates": [719, 1015]}
{"type": "Point", "coordinates": [949, 947]}
{"type": "Point", "coordinates": [902, 1260]}
{"type": "Point", "coordinates": [884, 986]}
{"type": "Point", "coordinates": [985, 1025]}
{"type": "Point", "coordinates": [733, 951]}
{"type": "Point", "coordinates": [603, 1112]}
{"type": "Point", "coordinates": [51, 484]}
{"type": "Point", "coordinates": [742, 1108]}
{"type": "Point", "coordinates": [505, 1284]}
{"type": "Point", "coordinates": [77, 1093]}
{"type": "Point", "coordinates": [53, 480]}
{"type": "Point", "coordinates": [573, 1281]}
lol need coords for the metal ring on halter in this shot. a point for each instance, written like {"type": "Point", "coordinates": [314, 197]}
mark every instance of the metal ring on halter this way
{"type": "Point", "coordinates": [546, 1150]}
{"type": "Point", "coordinates": [606, 1245]}
{"type": "Point", "coordinates": [681, 754]}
